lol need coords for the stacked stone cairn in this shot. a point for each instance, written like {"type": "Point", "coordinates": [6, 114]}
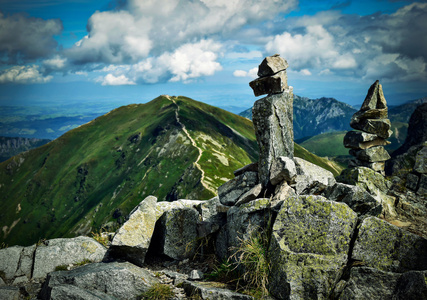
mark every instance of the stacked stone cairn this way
{"type": "Point", "coordinates": [373, 127]}
{"type": "Point", "coordinates": [273, 115]}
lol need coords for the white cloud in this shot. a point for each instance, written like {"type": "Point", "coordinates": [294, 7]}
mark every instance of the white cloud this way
{"type": "Point", "coordinates": [305, 72]}
{"type": "Point", "coordinates": [110, 79]}
{"type": "Point", "coordinates": [23, 75]}
{"type": "Point", "coordinates": [25, 39]}
{"type": "Point", "coordinates": [55, 63]}
{"type": "Point", "coordinates": [252, 73]}
{"type": "Point", "coordinates": [240, 73]}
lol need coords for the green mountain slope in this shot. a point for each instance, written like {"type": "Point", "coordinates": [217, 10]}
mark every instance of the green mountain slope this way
{"type": "Point", "coordinates": [92, 176]}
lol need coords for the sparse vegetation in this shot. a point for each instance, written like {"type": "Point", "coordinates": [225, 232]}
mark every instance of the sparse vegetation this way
{"type": "Point", "coordinates": [158, 291]}
{"type": "Point", "coordinates": [61, 268]}
{"type": "Point", "coordinates": [100, 237]}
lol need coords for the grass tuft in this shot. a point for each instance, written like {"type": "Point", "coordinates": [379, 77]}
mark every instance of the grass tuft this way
{"type": "Point", "coordinates": [158, 291]}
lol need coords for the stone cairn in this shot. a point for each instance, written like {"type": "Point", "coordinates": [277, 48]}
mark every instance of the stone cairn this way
{"type": "Point", "coordinates": [273, 115]}
{"type": "Point", "coordinates": [372, 121]}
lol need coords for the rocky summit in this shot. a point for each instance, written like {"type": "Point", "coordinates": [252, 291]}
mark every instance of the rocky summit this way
{"type": "Point", "coordinates": [367, 144]}
{"type": "Point", "coordinates": [294, 232]}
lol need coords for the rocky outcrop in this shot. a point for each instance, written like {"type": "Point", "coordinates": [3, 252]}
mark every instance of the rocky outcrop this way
{"type": "Point", "coordinates": [272, 116]}
{"type": "Point", "coordinates": [372, 119]}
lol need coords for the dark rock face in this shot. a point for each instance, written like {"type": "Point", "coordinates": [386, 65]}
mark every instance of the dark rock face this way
{"type": "Point", "coordinates": [371, 119]}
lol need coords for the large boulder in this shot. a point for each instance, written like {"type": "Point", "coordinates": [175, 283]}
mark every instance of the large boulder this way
{"type": "Point", "coordinates": [212, 290]}
{"type": "Point", "coordinates": [121, 280]}
{"type": "Point", "coordinates": [386, 247]}
{"type": "Point", "coordinates": [309, 174]}
{"type": "Point", "coordinates": [230, 192]}
{"type": "Point", "coordinates": [132, 240]}
{"type": "Point", "coordinates": [373, 284]}
{"type": "Point", "coordinates": [57, 252]}
{"type": "Point", "coordinates": [9, 261]}
{"type": "Point", "coordinates": [272, 65]}
{"type": "Point", "coordinates": [309, 247]}
{"type": "Point", "coordinates": [272, 117]}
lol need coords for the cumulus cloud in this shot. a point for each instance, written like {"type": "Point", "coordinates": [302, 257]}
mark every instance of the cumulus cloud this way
{"type": "Point", "coordinates": [55, 63]}
{"type": "Point", "coordinates": [24, 39]}
{"type": "Point", "coordinates": [379, 46]}
{"type": "Point", "coordinates": [252, 73]}
{"type": "Point", "coordinates": [110, 79]}
{"type": "Point", "coordinates": [23, 74]}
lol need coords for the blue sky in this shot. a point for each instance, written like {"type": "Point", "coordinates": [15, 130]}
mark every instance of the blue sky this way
{"type": "Point", "coordinates": [62, 51]}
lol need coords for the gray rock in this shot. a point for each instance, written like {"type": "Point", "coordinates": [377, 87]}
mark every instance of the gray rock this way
{"type": "Point", "coordinates": [2, 282]}
{"type": "Point", "coordinates": [421, 161]}
{"type": "Point", "coordinates": [132, 240]}
{"type": "Point", "coordinates": [26, 262]}
{"type": "Point", "coordinates": [9, 260]}
{"type": "Point", "coordinates": [211, 290]}
{"type": "Point", "coordinates": [231, 191]}
{"type": "Point", "coordinates": [356, 198]}
{"type": "Point", "coordinates": [375, 98]}
{"type": "Point", "coordinates": [195, 275]}
{"type": "Point", "coordinates": [20, 280]}
{"type": "Point", "coordinates": [370, 114]}
{"type": "Point", "coordinates": [373, 154]}
{"type": "Point", "coordinates": [271, 65]}
{"type": "Point", "coordinates": [363, 140]}
{"type": "Point", "coordinates": [309, 247]}
{"type": "Point", "coordinates": [370, 283]}
{"type": "Point", "coordinates": [59, 252]}
{"type": "Point", "coordinates": [213, 211]}
{"type": "Point", "coordinates": [252, 167]}
{"type": "Point", "coordinates": [250, 195]}
{"type": "Point", "coordinates": [273, 84]}
{"type": "Point", "coordinates": [422, 188]}
{"type": "Point", "coordinates": [121, 280]}
{"type": "Point", "coordinates": [66, 291]}
{"type": "Point", "coordinates": [177, 233]}
{"type": "Point", "coordinates": [412, 181]}
{"type": "Point", "coordinates": [386, 247]}
{"type": "Point", "coordinates": [221, 244]}
{"type": "Point", "coordinates": [308, 174]}
{"type": "Point", "coordinates": [377, 166]}
{"type": "Point", "coordinates": [272, 119]}
{"type": "Point", "coordinates": [282, 169]}
{"type": "Point", "coordinates": [244, 221]}
{"type": "Point", "coordinates": [380, 127]}
{"type": "Point", "coordinates": [283, 191]}
{"type": "Point", "coordinates": [9, 293]}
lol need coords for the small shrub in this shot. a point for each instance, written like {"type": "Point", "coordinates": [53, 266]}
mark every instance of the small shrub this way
{"type": "Point", "coordinates": [61, 268]}
{"type": "Point", "coordinates": [225, 273]}
{"type": "Point", "coordinates": [84, 262]}
{"type": "Point", "coordinates": [100, 237]}
{"type": "Point", "coordinates": [158, 291]}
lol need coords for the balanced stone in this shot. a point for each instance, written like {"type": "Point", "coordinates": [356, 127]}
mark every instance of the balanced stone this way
{"type": "Point", "coordinates": [270, 85]}
{"type": "Point", "coordinates": [370, 114]}
{"type": "Point", "coordinates": [363, 140]}
{"type": "Point", "coordinates": [373, 154]}
{"type": "Point", "coordinates": [377, 166]}
{"type": "Point", "coordinates": [375, 98]}
{"type": "Point", "coordinates": [380, 127]}
{"type": "Point", "coordinates": [272, 118]}
{"type": "Point", "coordinates": [271, 65]}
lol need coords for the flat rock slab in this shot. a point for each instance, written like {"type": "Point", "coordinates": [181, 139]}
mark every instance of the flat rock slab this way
{"type": "Point", "coordinates": [212, 290]}
{"type": "Point", "coordinates": [387, 247]}
{"type": "Point", "coordinates": [309, 246]}
{"type": "Point", "coordinates": [272, 117]}
{"type": "Point", "coordinates": [373, 154]}
{"type": "Point", "coordinates": [230, 192]}
{"type": "Point", "coordinates": [380, 127]}
{"type": "Point", "coordinates": [273, 84]}
{"type": "Point", "coordinates": [59, 252]}
{"type": "Point", "coordinates": [373, 284]}
{"type": "Point", "coordinates": [363, 140]}
{"type": "Point", "coordinates": [9, 260]}
{"type": "Point", "coordinates": [121, 280]}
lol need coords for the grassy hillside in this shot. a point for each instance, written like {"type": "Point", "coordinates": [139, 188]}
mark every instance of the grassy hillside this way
{"type": "Point", "coordinates": [92, 176]}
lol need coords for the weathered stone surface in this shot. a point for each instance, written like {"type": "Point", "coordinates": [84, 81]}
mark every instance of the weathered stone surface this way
{"type": "Point", "coordinates": [412, 181]}
{"type": "Point", "coordinates": [309, 247]}
{"type": "Point", "coordinates": [356, 198]}
{"type": "Point", "coordinates": [9, 260]}
{"type": "Point", "coordinates": [282, 169]}
{"type": "Point", "coordinates": [372, 182]}
{"type": "Point", "coordinates": [26, 262]}
{"type": "Point", "coordinates": [164, 206]}
{"type": "Point", "coordinates": [252, 167]}
{"type": "Point", "coordinates": [274, 84]}
{"type": "Point", "coordinates": [211, 290]}
{"type": "Point", "coordinates": [380, 127]}
{"type": "Point", "coordinates": [213, 211]}
{"type": "Point", "coordinates": [422, 188]}
{"type": "Point", "coordinates": [373, 284]}
{"type": "Point", "coordinates": [195, 275]}
{"type": "Point", "coordinates": [250, 195]}
{"type": "Point", "coordinates": [58, 252]}
{"type": "Point", "coordinates": [121, 280]}
{"type": "Point", "coordinates": [370, 114]}
{"type": "Point", "coordinates": [377, 166]}
{"type": "Point", "coordinates": [373, 154]}
{"type": "Point", "coordinates": [363, 140]}
{"type": "Point", "coordinates": [177, 233]}
{"type": "Point", "coordinates": [9, 293]}
{"type": "Point", "coordinates": [386, 247]}
{"type": "Point", "coordinates": [375, 98]}
{"type": "Point", "coordinates": [231, 191]}
{"type": "Point", "coordinates": [421, 161]}
{"type": "Point", "coordinates": [308, 174]}
{"type": "Point", "coordinates": [132, 240]}
{"type": "Point", "coordinates": [245, 220]}
{"type": "Point", "coordinates": [272, 118]}
{"type": "Point", "coordinates": [271, 65]}
{"type": "Point", "coordinates": [282, 191]}
{"type": "Point", "coordinates": [66, 291]}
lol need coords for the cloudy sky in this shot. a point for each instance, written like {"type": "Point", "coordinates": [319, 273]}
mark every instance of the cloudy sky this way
{"type": "Point", "coordinates": [130, 51]}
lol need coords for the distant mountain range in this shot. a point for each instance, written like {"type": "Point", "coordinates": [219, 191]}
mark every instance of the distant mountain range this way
{"type": "Point", "coordinates": [94, 175]}
{"type": "Point", "coordinates": [12, 146]}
